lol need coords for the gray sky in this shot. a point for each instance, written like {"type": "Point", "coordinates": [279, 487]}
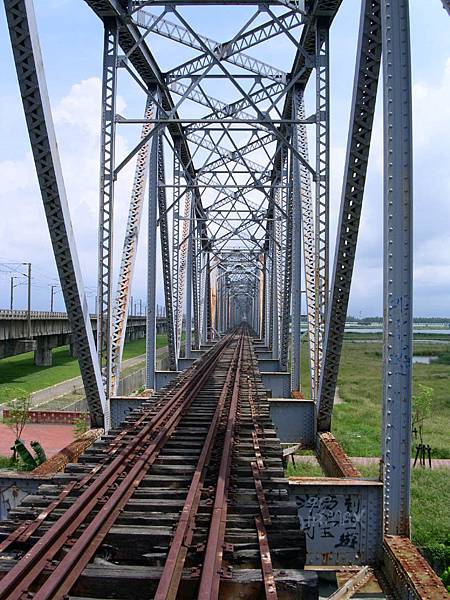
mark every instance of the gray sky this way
{"type": "Point", "coordinates": [71, 38]}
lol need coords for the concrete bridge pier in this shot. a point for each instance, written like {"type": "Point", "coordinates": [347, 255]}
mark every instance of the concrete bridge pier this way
{"type": "Point", "coordinates": [43, 352]}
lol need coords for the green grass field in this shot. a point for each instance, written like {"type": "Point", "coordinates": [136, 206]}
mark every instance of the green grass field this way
{"type": "Point", "coordinates": [20, 371]}
{"type": "Point", "coordinates": [356, 422]}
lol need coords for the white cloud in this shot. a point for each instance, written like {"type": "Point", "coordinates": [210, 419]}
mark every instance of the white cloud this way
{"type": "Point", "coordinates": [23, 226]}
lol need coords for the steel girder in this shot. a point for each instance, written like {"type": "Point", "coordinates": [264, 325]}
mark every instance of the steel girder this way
{"type": "Point", "coordinates": [120, 313]}
{"type": "Point", "coordinates": [296, 236]}
{"type": "Point", "coordinates": [367, 70]}
{"type": "Point", "coordinates": [176, 211]}
{"type": "Point", "coordinates": [189, 286]}
{"type": "Point", "coordinates": [153, 193]}
{"type": "Point", "coordinates": [33, 89]}
{"type": "Point", "coordinates": [145, 65]}
{"type": "Point", "coordinates": [322, 188]}
{"type": "Point", "coordinates": [183, 251]}
{"type": "Point", "coordinates": [308, 236]}
{"type": "Point", "coordinates": [106, 204]}
{"type": "Point", "coordinates": [196, 244]}
{"type": "Point", "coordinates": [287, 280]}
{"type": "Point", "coordinates": [398, 267]}
{"type": "Point", "coordinates": [165, 257]}
{"type": "Point", "coordinates": [231, 51]}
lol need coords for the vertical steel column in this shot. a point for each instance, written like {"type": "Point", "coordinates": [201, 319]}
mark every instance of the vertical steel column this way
{"type": "Point", "coordinates": [398, 275]}
{"type": "Point", "coordinates": [271, 303]}
{"type": "Point", "coordinates": [189, 283]}
{"type": "Point", "coordinates": [120, 312]}
{"type": "Point", "coordinates": [308, 236]}
{"type": "Point", "coordinates": [296, 254]}
{"type": "Point", "coordinates": [176, 237]}
{"type": "Point", "coordinates": [151, 263]}
{"type": "Point", "coordinates": [322, 188]}
{"type": "Point", "coordinates": [106, 207]}
{"type": "Point", "coordinates": [182, 265]}
{"type": "Point", "coordinates": [263, 299]}
{"type": "Point", "coordinates": [208, 315]}
{"type": "Point", "coordinates": [275, 309]}
{"type": "Point", "coordinates": [195, 282]}
{"type": "Point", "coordinates": [268, 293]}
{"type": "Point", "coordinates": [165, 256]}
{"type": "Point", "coordinates": [287, 251]}
{"type": "Point", "coordinates": [33, 90]}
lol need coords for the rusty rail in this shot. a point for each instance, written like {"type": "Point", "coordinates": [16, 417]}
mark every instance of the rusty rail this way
{"type": "Point", "coordinates": [212, 565]}
{"type": "Point", "coordinates": [122, 475]}
{"type": "Point", "coordinates": [173, 568]}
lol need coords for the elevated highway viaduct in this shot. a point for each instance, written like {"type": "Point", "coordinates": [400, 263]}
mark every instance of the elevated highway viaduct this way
{"type": "Point", "coordinates": [42, 331]}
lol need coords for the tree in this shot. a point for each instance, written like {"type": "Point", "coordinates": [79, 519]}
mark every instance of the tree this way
{"type": "Point", "coordinates": [421, 409]}
{"type": "Point", "coordinates": [18, 412]}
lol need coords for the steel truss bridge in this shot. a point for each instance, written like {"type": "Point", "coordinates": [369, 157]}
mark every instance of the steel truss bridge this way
{"type": "Point", "coordinates": [240, 204]}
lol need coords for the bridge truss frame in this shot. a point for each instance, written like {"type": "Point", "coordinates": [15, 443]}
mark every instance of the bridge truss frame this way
{"type": "Point", "coordinates": [217, 271]}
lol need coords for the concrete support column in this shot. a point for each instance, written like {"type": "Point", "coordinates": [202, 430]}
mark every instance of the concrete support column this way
{"type": "Point", "coordinates": [72, 348]}
{"type": "Point", "coordinates": [43, 352]}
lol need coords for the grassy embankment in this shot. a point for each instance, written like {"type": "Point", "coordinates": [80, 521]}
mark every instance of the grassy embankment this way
{"type": "Point", "coordinates": [356, 424]}
{"type": "Point", "coordinates": [20, 371]}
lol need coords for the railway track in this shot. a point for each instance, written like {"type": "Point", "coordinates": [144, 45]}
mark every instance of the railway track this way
{"type": "Point", "coordinates": [186, 500]}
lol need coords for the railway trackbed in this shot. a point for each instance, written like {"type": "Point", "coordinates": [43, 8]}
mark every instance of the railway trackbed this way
{"type": "Point", "coordinates": [187, 499]}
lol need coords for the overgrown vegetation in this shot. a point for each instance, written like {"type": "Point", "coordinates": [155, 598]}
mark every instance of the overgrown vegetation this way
{"type": "Point", "coordinates": [80, 425]}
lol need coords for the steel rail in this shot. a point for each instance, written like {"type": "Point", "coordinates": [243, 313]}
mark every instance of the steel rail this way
{"type": "Point", "coordinates": [212, 563]}
{"type": "Point", "coordinates": [25, 531]}
{"type": "Point", "coordinates": [173, 568]}
{"type": "Point", "coordinates": [25, 572]}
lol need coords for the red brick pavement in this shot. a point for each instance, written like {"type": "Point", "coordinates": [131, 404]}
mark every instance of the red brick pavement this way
{"type": "Point", "coordinates": [51, 437]}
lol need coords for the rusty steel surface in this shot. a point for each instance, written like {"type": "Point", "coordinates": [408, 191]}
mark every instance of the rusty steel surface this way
{"type": "Point", "coordinates": [173, 568]}
{"type": "Point", "coordinates": [407, 570]}
{"type": "Point", "coordinates": [212, 565]}
{"type": "Point", "coordinates": [218, 411]}
{"type": "Point", "coordinates": [22, 576]}
{"type": "Point", "coordinates": [333, 460]}
{"type": "Point", "coordinates": [68, 454]}
{"type": "Point", "coordinates": [266, 561]}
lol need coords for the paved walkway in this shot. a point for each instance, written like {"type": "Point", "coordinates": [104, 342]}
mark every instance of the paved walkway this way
{"type": "Point", "coordinates": [370, 461]}
{"type": "Point", "coordinates": [51, 437]}
{"type": "Point", "coordinates": [68, 386]}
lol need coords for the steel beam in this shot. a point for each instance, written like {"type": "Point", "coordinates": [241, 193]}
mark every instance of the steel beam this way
{"type": "Point", "coordinates": [365, 87]}
{"type": "Point", "coordinates": [287, 283]}
{"type": "Point", "coordinates": [398, 272]}
{"type": "Point", "coordinates": [106, 204]}
{"type": "Point", "coordinates": [296, 261]}
{"type": "Point", "coordinates": [322, 188]}
{"type": "Point", "coordinates": [120, 313]}
{"type": "Point", "coordinates": [153, 191]}
{"type": "Point", "coordinates": [33, 89]}
{"type": "Point", "coordinates": [165, 257]}
{"type": "Point", "coordinates": [308, 237]}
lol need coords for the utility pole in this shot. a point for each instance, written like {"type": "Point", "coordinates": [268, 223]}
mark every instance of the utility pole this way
{"type": "Point", "coordinates": [28, 275]}
{"type": "Point", "coordinates": [140, 307]}
{"type": "Point", "coordinates": [11, 304]}
{"type": "Point", "coordinates": [53, 288]}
